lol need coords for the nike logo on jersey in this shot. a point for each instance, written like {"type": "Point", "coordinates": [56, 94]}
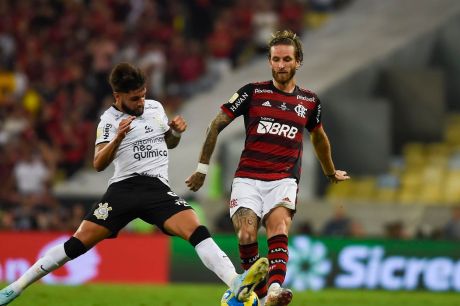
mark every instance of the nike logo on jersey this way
{"type": "Point", "coordinates": [41, 267]}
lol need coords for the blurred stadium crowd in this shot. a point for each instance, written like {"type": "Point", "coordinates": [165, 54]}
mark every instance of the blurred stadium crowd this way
{"type": "Point", "coordinates": [55, 57]}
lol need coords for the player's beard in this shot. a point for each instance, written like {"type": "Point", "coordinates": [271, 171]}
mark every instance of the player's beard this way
{"type": "Point", "coordinates": [133, 112]}
{"type": "Point", "coordinates": [283, 78]}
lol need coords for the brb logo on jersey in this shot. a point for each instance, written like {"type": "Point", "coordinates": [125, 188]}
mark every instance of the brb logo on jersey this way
{"type": "Point", "coordinates": [275, 128]}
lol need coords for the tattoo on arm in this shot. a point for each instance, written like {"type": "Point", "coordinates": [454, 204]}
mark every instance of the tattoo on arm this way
{"type": "Point", "coordinates": [216, 126]}
{"type": "Point", "coordinates": [244, 217]}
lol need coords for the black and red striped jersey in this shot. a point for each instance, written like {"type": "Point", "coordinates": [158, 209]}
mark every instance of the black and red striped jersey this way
{"type": "Point", "coordinates": [275, 122]}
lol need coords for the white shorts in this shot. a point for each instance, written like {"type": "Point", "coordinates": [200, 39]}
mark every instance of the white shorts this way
{"type": "Point", "coordinates": [262, 196]}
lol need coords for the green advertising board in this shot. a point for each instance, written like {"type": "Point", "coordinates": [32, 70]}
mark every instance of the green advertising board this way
{"type": "Point", "coordinates": [317, 263]}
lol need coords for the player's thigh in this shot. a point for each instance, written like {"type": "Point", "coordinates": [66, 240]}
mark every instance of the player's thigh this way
{"type": "Point", "coordinates": [245, 194]}
{"type": "Point", "coordinates": [182, 224]}
{"type": "Point", "coordinates": [280, 193]}
{"type": "Point", "coordinates": [169, 212]}
{"type": "Point", "coordinates": [90, 233]}
{"type": "Point", "coordinates": [118, 206]}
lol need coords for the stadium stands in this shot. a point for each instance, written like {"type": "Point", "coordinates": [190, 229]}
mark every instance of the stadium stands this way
{"type": "Point", "coordinates": [52, 90]}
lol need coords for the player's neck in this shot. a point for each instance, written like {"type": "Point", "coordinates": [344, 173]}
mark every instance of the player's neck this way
{"type": "Point", "coordinates": [287, 87]}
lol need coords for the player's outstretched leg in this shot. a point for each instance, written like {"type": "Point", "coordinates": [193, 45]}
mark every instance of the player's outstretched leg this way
{"type": "Point", "coordinates": [244, 284]}
{"type": "Point", "coordinates": [278, 296]}
{"type": "Point", "coordinates": [7, 295]}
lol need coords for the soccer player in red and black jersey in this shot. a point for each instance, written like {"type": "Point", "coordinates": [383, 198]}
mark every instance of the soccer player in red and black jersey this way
{"type": "Point", "coordinates": [264, 189]}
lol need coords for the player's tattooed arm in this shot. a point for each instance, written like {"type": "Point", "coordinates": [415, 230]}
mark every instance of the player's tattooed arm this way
{"type": "Point", "coordinates": [246, 218]}
{"type": "Point", "coordinates": [196, 180]}
{"type": "Point", "coordinates": [216, 126]}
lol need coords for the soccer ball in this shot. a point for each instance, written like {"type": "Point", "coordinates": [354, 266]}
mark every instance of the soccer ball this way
{"type": "Point", "coordinates": [229, 299]}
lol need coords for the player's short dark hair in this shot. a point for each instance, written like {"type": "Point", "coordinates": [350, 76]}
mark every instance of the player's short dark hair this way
{"type": "Point", "coordinates": [126, 77]}
{"type": "Point", "coordinates": [287, 37]}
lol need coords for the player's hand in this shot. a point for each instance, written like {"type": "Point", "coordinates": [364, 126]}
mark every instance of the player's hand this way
{"type": "Point", "coordinates": [195, 181]}
{"type": "Point", "coordinates": [339, 176]}
{"type": "Point", "coordinates": [124, 127]}
{"type": "Point", "coordinates": [178, 124]}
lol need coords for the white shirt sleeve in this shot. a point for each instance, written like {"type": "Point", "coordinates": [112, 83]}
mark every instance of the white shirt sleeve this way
{"type": "Point", "coordinates": [106, 131]}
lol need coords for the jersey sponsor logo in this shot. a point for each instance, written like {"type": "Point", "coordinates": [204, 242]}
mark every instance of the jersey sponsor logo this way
{"type": "Point", "coordinates": [275, 128]}
{"type": "Point", "coordinates": [257, 90]}
{"type": "Point", "coordinates": [238, 102]}
{"type": "Point", "coordinates": [267, 103]}
{"type": "Point", "coordinates": [300, 110]}
{"type": "Point", "coordinates": [283, 107]}
{"type": "Point", "coordinates": [147, 152]}
{"type": "Point", "coordinates": [102, 212]}
{"type": "Point", "coordinates": [312, 99]}
{"type": "Point", "coordinates": [106, 131]}
{"type": "Point", "coordinates": [144, 148]}
{"type": "Point", "coordinates": [145, 142]}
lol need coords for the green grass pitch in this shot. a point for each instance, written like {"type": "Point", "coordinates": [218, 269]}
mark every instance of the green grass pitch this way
{"type": "Point", "coordinates": [209, 295]}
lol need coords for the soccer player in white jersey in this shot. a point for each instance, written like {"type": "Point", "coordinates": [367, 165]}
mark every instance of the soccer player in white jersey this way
{"type": "Point", "coordinates": [135, 134]}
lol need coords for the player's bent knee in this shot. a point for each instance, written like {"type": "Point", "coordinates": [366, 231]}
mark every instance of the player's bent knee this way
{"type": "Point", "coordinates": [199, 234]}
{"type": "Point", "coordinates": [247, 236]}
{"type": "Point", "coordinates": [74, 248]}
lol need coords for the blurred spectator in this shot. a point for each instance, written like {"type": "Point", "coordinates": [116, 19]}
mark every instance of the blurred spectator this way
{"type": "Point", "coordinates": [265, 21]}
{"type": "Point", "coordinates": [452, 228]}
{"type": "Point", "coordinates": [221, 44]}
{"type": "Point", "coordinates": [341, 225]}
{"type": "Point", "coordinates": [305, 228]}
{"type": "Point", "coordinates": [153, 62]}
{"type": "Point", "coordinates": [241, 25]}
{"type": "Point", "coordinates": [291, 15]}
{"type": "Point", "coordinates": [395, 230]}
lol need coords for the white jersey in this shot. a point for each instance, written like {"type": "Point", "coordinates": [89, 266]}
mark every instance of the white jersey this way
{"type": "Point", "coordinates": [143, 151]}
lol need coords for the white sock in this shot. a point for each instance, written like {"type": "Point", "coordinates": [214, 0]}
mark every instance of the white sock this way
{"type": "Point", "coordinates": [216, 260]}
{"type": "Point", "coordinates": [273, 286]}
{"type": "Point", "coordinates": [53, 259]}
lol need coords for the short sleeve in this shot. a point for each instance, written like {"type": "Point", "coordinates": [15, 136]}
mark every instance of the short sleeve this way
{"type": "Point", "coordinates": [314, 118]}
{"type": "Point", "coordinates": [105, 132]}
{"type": "Point", "coordinates": [164, 118]}
{"type": "Point", "coordinates": [239, 102]}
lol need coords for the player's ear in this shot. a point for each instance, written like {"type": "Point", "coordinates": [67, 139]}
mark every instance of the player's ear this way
{"type": "Point", "coordinates": [116, 96]}
{"type": "Point", "coordinates": [297, 65]}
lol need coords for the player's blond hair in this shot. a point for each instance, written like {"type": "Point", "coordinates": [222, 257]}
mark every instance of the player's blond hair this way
{"type": "Point", "coordinates": [287, 37]}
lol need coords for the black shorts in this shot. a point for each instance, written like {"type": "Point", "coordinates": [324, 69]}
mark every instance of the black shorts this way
{"type": "Point", "coordinates": [141, 197]}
